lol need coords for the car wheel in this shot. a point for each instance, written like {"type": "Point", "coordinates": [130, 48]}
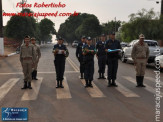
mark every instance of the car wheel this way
{"type": "Point", "coordinates": [123, 58]}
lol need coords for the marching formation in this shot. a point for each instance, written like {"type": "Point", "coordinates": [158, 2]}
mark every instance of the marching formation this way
{"type": "Point", "coordinates": [106, 51]}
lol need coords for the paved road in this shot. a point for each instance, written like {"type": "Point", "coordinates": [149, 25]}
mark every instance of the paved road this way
{"type": "Point", "coordinates": [74, 103]}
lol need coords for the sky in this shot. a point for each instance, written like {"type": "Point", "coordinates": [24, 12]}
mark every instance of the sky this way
{"type": "Point", "coordinates": [105, 10]}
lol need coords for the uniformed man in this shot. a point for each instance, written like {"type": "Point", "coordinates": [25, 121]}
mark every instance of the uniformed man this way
{"type": "Point", "coordinates": [140, 54]}
{"type": "Point", "coordinates": [60, 52]}
{"type": "Point", "coordinates": [101, 56]}
{"type": "Point", "coordinates": [38, 56]}
{"type": "Point", "coordinates": [112, 59]}
{"type": "Point", "coordinates": [27, 59]}
{"type": "Point", "coordinates": [89, 51]}
{"type": "Point", "coordinates": [79, 55]}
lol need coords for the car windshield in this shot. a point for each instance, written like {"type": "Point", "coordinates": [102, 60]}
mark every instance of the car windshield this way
{"type": "Point", "coordinates": [151, 44]}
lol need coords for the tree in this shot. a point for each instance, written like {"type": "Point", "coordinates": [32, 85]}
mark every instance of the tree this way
{"type": "Point", "coordinates": [89, 27]}
{"type": "Point", "coordinates": [110, 26]}
{"type": "Point", "coordinates": [19, 26]}
{"type": "Point", "coordinates": [146, 22]}
{"type": "Point", "coordinates": [71, 29]}
{"type": "Point", "coordinates": [46, 27]}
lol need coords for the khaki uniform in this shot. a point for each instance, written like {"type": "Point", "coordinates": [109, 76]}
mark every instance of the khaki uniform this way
{"type": "Point", "coordinates": [38, 55]}
{"type": "Point", "coordinates": [140, 54]}
{"type": "Point", "coordinates": [27, 58]}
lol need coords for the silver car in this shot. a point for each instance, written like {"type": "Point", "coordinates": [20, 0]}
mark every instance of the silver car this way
{"type": "Point", "coordinates": [153, 48]}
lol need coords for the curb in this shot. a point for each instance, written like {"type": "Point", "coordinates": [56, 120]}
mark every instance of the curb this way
{"type": "Point", "coordinates": [11, 54]}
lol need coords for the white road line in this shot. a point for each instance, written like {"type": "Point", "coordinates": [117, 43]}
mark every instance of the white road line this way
{"type": "Point", "coordinates": [19, 73]}
{"type": "Point", "coordinates": [5, 88]}
{"type": "Point", "coordinates": [125, 91]}
{"type": "Point", "coordinates": [63, 93]}
{"type": "Point", "coordinates": [94, 92]}
{"type": "Point", "coordinates": [148, 88]}
{"type": "Point", "coordinates": [153, 80]}
{"type": "Point", "coordinates": [32, 94]}
{"type": "Point", "coordinates": [73, 64]}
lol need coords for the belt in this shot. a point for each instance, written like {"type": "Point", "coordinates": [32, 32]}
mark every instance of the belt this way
{"type": "Point", "coordinates": [140, 58]}
{"type": "Point", "coordinates": [27, 58]}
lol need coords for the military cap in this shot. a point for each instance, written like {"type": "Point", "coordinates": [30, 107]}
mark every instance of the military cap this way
{"type": "Point", "coordinates": [83, 37]}
{"type": "Point", "coordinates": [141, 36]}
{"type": "Point", "coordinates": [89, 38]}
{"type": "Point", "coordinates": [33, 38]}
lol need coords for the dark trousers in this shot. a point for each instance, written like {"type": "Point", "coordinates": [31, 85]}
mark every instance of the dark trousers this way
{"type": "Point", "coordinates": [60, 68]}
{"type": "Point", "coordinates": [101, 63]}
{"type": "Point", "coordinates": [112, 68]}
{"type": "Point", "coordinates": [89, 70]}
{"type": "Point", "coordinates": [82, 65]}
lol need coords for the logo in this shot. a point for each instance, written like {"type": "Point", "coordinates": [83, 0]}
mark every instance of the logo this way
{"type": "Point", "coordinates": [14, 114]}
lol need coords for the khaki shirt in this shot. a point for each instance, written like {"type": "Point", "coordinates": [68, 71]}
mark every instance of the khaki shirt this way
{"type": "Point", "coordinates": [37, 51]}
{"type": "Point", "coordinates": [140, 51]}
{"type": "Point", "coordinates": [27, 52]}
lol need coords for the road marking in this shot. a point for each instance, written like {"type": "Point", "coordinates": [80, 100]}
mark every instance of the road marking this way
{"type": "Point", "coordinates": [63, 93]}
{"type": "Point", "coordinates": [5, 88]}
{"type": "Point", "coordinates": [94, 92]}
{"type": "Point", "coordinates": [20, 73]}
{"type": "Point", "coordinates": [148, 88]}
{"type": "Point", "coordinates": [125, 91]}
{"type": "Point", "coordinates": [153, 80]}
{"type": "Point", "coordinates": [32, 94]}
{"type": "Point", "coordinates": [73, 64]}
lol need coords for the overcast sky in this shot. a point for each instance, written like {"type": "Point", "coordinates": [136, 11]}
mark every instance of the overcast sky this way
{"type": "Point", "coordinates": [105, 10]}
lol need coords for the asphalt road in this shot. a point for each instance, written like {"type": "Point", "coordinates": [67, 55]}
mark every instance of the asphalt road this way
{"type": "Point", "coordinates": [75, 103]}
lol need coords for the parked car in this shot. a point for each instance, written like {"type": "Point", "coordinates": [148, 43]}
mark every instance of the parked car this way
{"type": "Point", "coordinates": [159, 62]}
{"type": "Point", "coordinates": [153, 45]}
{"type": "Point", "coordinates": [75, 43]}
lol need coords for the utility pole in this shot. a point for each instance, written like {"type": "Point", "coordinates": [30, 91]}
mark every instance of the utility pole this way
{"type": "Point", "coordinates": [161, 7]}
{"type": "Point", "coordinates": [1, 31]}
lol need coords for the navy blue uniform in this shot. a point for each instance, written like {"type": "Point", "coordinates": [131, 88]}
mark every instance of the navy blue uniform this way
{"type": "Point", "coordinates": [100, 47]}
{"type": "Point", "coordinates": [59, 61]}
{"type": "Point", "coordinates": [79, 55]}
{"type": "Point", "coordinates": [89, 62]}
{"type": "Point", "coordinates": [112, 58]}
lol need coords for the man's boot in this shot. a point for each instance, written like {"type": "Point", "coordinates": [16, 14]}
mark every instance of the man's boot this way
{"type": "Point", "coordinates": [32, 75]}
{"type": "Point", "coordinates": [81, 76]}
{"type": "Point", "coordinates": [57, 84]}
{"type": "Point", "coordinates": [61, 86]}
{"type": "Point", "coordinates": [141, 81]}
{"type": "Point", "coordinates": [103, 77]}
{"type": "Point", "coordinates": [109, 83]}
{"type": "Point", "coordinates": [138, 81]}
{"type": "Point", "coordinates": [25, 85]}
{"type": "Point", "coordinates": [90, 83]}
{"type": "Point", "coordinates": [86, 83]}
{"type": "Point", "coordinates": [35, 75]}
{"type": "Point", "coordinates": [99, 76]}
{"type": "Point", "coordinates": [114, 84]}
{"type": "Point", "coordinates": [29, 85]}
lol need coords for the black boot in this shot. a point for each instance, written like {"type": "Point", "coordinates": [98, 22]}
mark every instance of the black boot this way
{"type": "Point", "coordinates": [141, 81]}
{"type": "Point", "coordinates": [81, 76]}
{"type": "Point", "coordinates": [90, 83]}
{"type": "Point", "coordinates": [138, 80]}
{"type": "Point", "coordinates": [114, 84]}
{"type": "Point", "coordinates": [86, 83]}
{"type": "Point", "coordinates": [35, 75]}
{"type": "Point", "coordinates": [99, 76]}
{"type": "Point", "coordinates": [29, 85]}
{"type": "Point", "coordinates": [61, 86]}
{"type": "Point", "coordinates": [32, 75]}
{"type": "Point", "coordinates": [103, 77]}
{"type": "Point", "coordinates": [25, 85]}
{"type": "Point", "coordinates": [57, 84]}
{"type": "Point", "coordinates": [109, 83]}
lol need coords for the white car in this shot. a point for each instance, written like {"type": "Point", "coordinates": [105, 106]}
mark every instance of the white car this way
{"type": "Point", "coordinates": [159, 62]}
{"type": "Point", "coordinates": [75, 43]}
{"type": "Point", "coordinates": [153, 46]}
